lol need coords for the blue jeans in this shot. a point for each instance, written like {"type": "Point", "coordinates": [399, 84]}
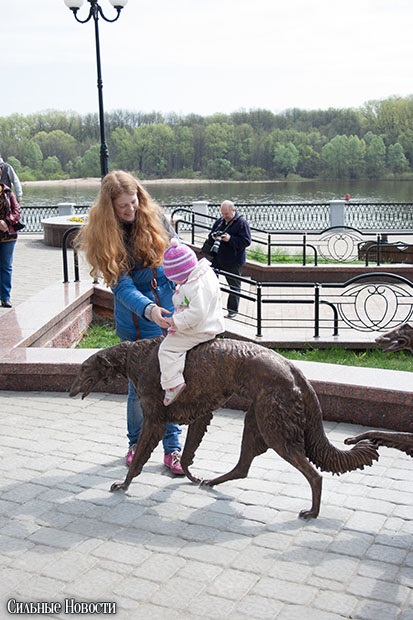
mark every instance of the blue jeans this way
{"type": "Point", "coordinates": [6, 264]}
{"type": "Point", "coordinates": [134, 421]}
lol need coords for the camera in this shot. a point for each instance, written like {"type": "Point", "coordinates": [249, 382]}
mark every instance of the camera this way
{"type": "Point", "coordinates": [215, 246]}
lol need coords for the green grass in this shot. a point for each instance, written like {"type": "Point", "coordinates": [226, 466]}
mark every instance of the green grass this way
{"type": "Point", "coordinates": [281, 256]}
{"type": "Point", "coordinates": [277, 256]}
{"type": "Point", "coordinates": [371, 358]}
{"type": "Point", "coordinates": [103, 335]}
{"type": "Point", "coordinates": [99, 336]}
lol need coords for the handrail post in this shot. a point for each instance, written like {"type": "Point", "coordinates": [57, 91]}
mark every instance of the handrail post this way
{"type": "Point", "coordinates": [64, 255]}
{"type": "Point", "coordinates": [337, 213]}
{"type": "Point", "coordinates": [304, 249]}
{"type": "Point", "coordinates": [316, 310]}
{"type": "Point", "coordinates": [269, 249]}
{"type": "Point", "coordinates": [259, 310]}
{"type": "Point", "coordinates": [200, 211]}
{"type": "Point", "coordinates": [378, 250]}
{"type": "Point", "coordinates": [76, 265]}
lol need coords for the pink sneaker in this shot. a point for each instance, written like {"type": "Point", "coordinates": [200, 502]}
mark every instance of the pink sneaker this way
{"type": "Point", "coordinates": [130, 454]}
{"type": "Point", "coordinates": [173, 462]}
{"type": "Point", "coordinates": [173, 393]}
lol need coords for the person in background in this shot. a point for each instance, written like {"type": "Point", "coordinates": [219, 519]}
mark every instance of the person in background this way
{"type": "Point", "coordinates": [197, 314]}
{"type": "Point", "coordinates": [9, 217]}
{"type": "Point", "coordinates": [234, 234]}
{"type": "Point", "coordinates": [10, 178]}
{"type": "Point", "coordinates": [124, 238]}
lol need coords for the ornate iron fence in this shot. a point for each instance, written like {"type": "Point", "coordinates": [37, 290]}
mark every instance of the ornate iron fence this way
{"type": "Point", "coordinates": [277, 216]}
{"type": "Point", "coordinates": [33, 216]}
{"type": "Point", "coordinates": [283, 216]}
{"type": "Point", "coordinates": [379, 216]}
{"type": "Point", "coordinates": [370, 302]}
{"type": "Point", "coordinates": [366, 303]}
{"type": "Point", "coordinates": [338, 244]}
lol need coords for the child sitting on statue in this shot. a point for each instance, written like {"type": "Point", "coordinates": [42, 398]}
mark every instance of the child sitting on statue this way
{"type": "Point", "coordinates": [197, 316]}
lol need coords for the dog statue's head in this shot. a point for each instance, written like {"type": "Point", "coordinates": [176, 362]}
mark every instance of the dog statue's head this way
{"type": "Point", "coordinates": [101, 366]}
{"type": "Point", "coordinates": [397, 339]}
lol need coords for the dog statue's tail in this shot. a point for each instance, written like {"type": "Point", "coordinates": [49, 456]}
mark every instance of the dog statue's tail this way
{"type": "Point", "coordinates": [390, 439]}
{"type": "Point", "coordinates": [323, 454]}
{"type": "Point", "coordinates": [329, 458]}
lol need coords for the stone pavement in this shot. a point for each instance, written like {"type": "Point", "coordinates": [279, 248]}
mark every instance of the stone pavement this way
{"type": "Point", "coordinates": [168, 549]}
{"type": "Point", "coordinates": [36, 266]}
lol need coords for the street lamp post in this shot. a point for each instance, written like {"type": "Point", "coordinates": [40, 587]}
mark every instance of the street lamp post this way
{"type": "Point", "coordinates": [95, 11]}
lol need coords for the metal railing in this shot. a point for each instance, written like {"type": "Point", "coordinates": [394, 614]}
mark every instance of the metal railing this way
{"type": "Point", "coordinates": [366, 303]}
{"type": "Point", "coordinates": [337, 244]}
{"type": "Point", "coordinates": [380, 215]}
{"type": "Point", "coordinates": [276, 216]}
{"type": "Point", "coordinates": [65, 240]}
{"type": "Point", "coordinates": [33, 216]}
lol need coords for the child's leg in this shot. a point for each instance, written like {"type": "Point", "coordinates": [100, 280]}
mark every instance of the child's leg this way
{"type": "Point", "coordinates": [172, 356]}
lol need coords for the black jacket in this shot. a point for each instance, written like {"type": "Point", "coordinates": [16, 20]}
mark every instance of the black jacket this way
{"type": "Point", "coordinates": [232, 252]}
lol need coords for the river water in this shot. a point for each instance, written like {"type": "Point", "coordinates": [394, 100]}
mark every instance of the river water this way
{"type": "Point", "coordinates": [240, 192]}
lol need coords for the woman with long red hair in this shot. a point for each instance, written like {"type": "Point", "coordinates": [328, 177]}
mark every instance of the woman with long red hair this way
{"type": "Point", "coordinates": [124, 239]}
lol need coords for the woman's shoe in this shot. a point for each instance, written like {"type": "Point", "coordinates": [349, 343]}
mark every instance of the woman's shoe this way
{"type": "Point", "coordinates": [173, 462]}
{"type": "Point", "coordinates": [6, 304]}
{"type": "Point", "coordinates": [129, 456]}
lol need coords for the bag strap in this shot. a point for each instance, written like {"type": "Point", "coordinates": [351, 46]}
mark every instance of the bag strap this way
{"type": "Point", "coordinates": [234, 219]}
{"type": "Point", "coordinates": [154, 287]}
{"type": "Point", "coordinates": [136, 322]}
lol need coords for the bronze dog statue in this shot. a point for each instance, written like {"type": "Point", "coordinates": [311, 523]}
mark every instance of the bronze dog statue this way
{"type": "Point", "coordinates": [395, 340]}
{"type": "Point", "coordinates": [284, 412]}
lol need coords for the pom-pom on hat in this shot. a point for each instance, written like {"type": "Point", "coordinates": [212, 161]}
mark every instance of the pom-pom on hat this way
{"type": "Point", "coordinates": [178, 261]}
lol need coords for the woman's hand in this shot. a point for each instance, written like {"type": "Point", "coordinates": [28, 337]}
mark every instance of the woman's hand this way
{"type": "Point", "coordinates": [158, 318]}
{"type": "Point", "coordinates": [3, 226]}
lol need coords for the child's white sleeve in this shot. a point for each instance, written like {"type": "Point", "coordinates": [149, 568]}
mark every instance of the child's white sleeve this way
{"type": "Point", "coordinates": [198, 307]}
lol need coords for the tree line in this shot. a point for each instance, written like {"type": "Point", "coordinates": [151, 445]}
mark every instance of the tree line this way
{"type": "Point", "coordinates": [374, 141]}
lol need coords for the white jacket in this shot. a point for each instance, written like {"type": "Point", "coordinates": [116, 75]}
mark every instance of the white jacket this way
{"type": "Point", "coordinates": [197, 302]}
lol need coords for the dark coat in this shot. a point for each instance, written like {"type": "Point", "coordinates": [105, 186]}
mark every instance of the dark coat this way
{"type": "Point", "coordinates": [232, 253]}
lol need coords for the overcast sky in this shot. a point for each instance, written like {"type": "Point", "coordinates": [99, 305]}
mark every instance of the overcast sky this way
{"type": "Point", "coordinates": [207, 56]}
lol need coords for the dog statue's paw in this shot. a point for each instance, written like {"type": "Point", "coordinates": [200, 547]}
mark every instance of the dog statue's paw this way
{"type": "Point", "coordinates": [206, 483]}
{"type": "Point", "coordinates": [308, 514]}
{"type": "Point", "coordinates": [192, 478]}
{"type": "Point", "coordinates": [119, 486]}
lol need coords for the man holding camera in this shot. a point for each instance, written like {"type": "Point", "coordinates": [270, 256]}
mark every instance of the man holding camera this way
{"type": "Point", "coordinates": [230, 234]}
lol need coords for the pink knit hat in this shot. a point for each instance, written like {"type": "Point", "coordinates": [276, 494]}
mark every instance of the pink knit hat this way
{"type": "Point", "coordinates": [178, 261]}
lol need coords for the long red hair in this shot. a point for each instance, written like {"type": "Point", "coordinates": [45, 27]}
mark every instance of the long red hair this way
{"type": "Point", "coordinates": [102, 236]}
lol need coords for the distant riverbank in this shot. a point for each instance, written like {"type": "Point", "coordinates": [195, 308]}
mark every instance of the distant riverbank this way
{"type": "Point", "coordinates": [95, 182]}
